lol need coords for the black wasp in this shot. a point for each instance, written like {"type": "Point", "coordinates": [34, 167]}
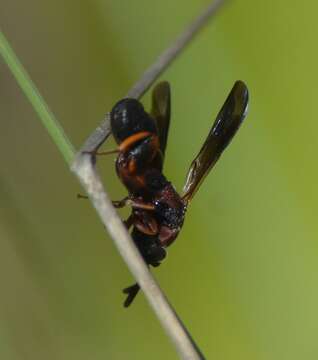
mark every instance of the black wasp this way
{"type": "Point", "coordinates": [157, 209]}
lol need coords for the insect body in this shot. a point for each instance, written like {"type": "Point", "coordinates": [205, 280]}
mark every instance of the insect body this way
{"type": "Point", "coordinates": [157, 209]}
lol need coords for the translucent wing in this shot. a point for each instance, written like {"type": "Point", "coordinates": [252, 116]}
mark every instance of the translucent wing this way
{"type": "Point", "coordinates": [224, 128]}
{"type": "Point", "coordinates": [161, 112]}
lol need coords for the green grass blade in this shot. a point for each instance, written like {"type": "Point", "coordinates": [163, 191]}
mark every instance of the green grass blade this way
{"type": "Point", "coordinates": [39, 105]}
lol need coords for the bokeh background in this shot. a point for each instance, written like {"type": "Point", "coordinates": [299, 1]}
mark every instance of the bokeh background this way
{"type": "Point", "coordinates": [243, 273]}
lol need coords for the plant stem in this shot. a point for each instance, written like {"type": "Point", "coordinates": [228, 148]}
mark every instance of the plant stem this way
{"type": "Point", "coordinates": [85, 170]}
{"type": "Point", "coordinates": [39, 105]}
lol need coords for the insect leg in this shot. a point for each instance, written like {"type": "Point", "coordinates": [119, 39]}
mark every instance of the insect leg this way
{"type": "Point", "coordinates": [131, 291]}
{"type": "Point", "coordinates": [135, 203]}
{"type": "Point", "coordinates": [129, 222]}
{"type": "Point", "coordinates": [80, 196]}
{"type": "Point", "coordinates": [118, 204]}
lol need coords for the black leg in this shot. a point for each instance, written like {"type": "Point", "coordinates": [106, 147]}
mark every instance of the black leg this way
{"type": "Point", "coordinates": [131, 291]}
{"type": "Point", "coordinates": [80, 196]}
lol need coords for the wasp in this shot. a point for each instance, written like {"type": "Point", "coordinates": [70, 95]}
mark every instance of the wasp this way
{"type": "Point", "coordinates": [158, 210]}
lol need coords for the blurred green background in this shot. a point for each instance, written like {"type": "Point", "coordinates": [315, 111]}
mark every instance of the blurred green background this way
{"type": "Point", "coordinates": [243, 273]}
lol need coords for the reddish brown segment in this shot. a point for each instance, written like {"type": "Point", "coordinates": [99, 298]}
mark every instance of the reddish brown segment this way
{"type": "Point", "coordinates": [167, 235]}
{"type": "Point", "coordinates": [145, 223]}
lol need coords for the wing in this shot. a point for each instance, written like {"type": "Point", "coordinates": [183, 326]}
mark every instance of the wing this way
{"type": "Point", "coordinates": [224, 128]}
{"type": "Point", "coordinates": [161, 112]}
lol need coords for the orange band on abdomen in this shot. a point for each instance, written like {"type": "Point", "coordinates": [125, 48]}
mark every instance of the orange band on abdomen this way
{"type": "Point", "coordinates": [127, 143]}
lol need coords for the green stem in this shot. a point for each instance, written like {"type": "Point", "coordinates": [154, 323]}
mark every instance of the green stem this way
{"type": "Point", "coordinates": [39, 105]}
